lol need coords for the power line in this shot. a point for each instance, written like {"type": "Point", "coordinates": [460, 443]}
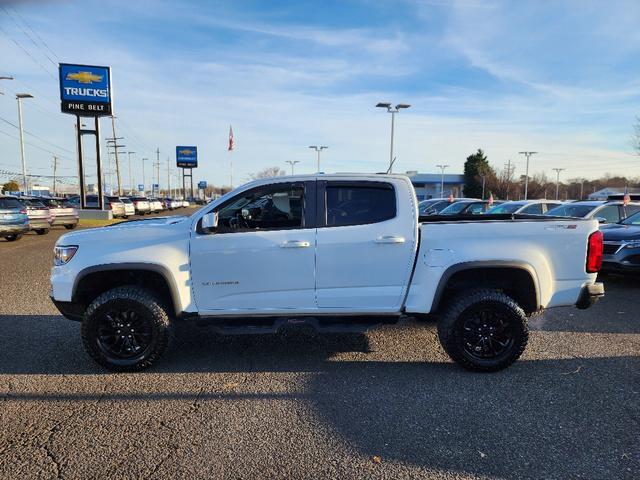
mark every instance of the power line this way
{"type": "Point", "coordinates": [35, 33]}
{"type": "Point", "coordinates": [36, 146]}
{"type": "Point", "coordinates": [26, 34]}
{"type": "Point", "coordinates": [36, 136]}
{"type": "Point", "coordinates": [26, 52]}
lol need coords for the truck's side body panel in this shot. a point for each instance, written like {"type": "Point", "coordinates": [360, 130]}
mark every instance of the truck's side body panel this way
{"type": "Point", "coordinates": [553, 252]}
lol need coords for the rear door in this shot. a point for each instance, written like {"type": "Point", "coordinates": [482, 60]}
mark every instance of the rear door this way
{"type": "Point", "coordinates": [366, 242]}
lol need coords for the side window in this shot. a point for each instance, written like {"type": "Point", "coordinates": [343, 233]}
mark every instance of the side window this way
{"type": "Point", "coordinates": [552, 205]}
{"type": "Point", "coordinates": [610, 213]}
{"type": "Point", "coordinates": [275, 207]}
{"type": "Point", "coordinates": [533, 209]}
{"type": "Point", "coordinates": [629, 210]}
{"type": "Point", "coordinates": [477, 208]}
{"type": "Point", "coordinates": [359, 205]}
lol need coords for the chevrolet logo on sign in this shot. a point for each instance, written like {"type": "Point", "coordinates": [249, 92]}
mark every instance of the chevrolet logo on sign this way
{"type": "Point", "coordinates": [186, 151]}
{"type": "Point", "coordinates": [84, 77]}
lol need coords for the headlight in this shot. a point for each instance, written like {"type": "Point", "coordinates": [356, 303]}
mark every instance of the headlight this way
{"type": "Point", "coordinates": [632, 244]}
{"type": "Point", "coordinates": [63, 254]}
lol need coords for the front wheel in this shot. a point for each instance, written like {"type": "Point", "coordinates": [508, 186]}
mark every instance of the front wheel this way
{"type": "Point", "coordinates": [126, 329]}
{"type": "Point", "coordinates": [42, 231]}
{"type": "Point", "coordinates": [13, 237]}
{"type": "Point", "coordinates": [71, 226]}
{"type": "Point", "coordinates": [483, 330]}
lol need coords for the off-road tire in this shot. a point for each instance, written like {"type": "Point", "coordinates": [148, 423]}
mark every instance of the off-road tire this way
{"type": "Point", "coordinates": [145, 304]}
{"type": "Point", "coordinates": [42, 231]}
{"type": "Point", "coordinates": [13, 237]}
{"type": "Point", "coordinates": [451, 324]}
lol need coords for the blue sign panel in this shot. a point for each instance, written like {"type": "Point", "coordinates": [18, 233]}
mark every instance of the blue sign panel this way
{"type": "Point", "coordinates": [202, 184]}
{"type": "Point", "coordinates": [187, 157]}
{"type": "Point", "coordinates": [140, 187]}
{"type": "Point", "coordinates": [85, 90]}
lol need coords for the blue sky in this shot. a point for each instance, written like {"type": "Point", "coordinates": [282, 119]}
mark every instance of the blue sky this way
{"type": "Point", "coordinates": [560, 78]}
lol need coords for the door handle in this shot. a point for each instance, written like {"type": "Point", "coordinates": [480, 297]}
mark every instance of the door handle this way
{"type": "Point", "coordinates": [295, 244]}
{"type": "Point", "coordinates": [389, 239]}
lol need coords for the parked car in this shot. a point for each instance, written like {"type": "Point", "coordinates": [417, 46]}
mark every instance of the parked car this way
{"type": "Point", "coordinates": [63, 213]}
{"type": "Point", "coordinates": [14, 220]}
{"type": "Point", "coordinates": [347, 264]}
{"type": "Point", "coordinates": [622, 245]}
{"type": "Point", "coordinates": [434, 206]}
{"type": "Point", "coordinates": [129, 208]}
{"type": "Point", "coordinates": [39, 214]}
{"type": "Point", "coordinates": [531, 207]}
{"type": "Point", "coordinates": [185, 203]}
{"type": "Point", "coordinates": [155, 205]}
{"type": "Point", "coordinates": [111, 202]}
{"type": "Point", "coordinates": [469, 207]}
{"type": "Point", "coordinates": [141, 205]}
{"type": "Point", "coordinates": [175, 203]}
{"type": "Point", "coordinates": [603, 211]}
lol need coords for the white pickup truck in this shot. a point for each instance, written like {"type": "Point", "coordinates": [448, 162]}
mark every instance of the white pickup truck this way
{"type": "Point", "coordinates": [334, 252]}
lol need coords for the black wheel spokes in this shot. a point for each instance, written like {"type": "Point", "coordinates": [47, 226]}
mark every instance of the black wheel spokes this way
{"type": "Point", "coordinates": [124, 333]}
{"type": "Point", "coordinates": [486, 333]}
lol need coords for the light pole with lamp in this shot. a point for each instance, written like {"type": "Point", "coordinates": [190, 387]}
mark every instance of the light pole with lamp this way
{"type": "Point", "coordinates": [19, 98]}
{"type": "Point", "coordinates": [130, 177]}
{"type": "Point", "coordinates": [442, 167]}
{"type": "Point", "coordinates": [144, 185]}
{"type": "Point", "coordinates": [392, 111]}
{"type": "Point", "coordinates": [292, 163]}
{"type": "Point", "coordinates": [318, 149]}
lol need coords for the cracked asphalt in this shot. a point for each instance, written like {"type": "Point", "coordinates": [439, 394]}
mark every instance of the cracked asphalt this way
{"type": "Point", "coordinates": [386, 404]}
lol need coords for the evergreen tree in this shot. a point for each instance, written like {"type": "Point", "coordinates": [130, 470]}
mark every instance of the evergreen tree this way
{"type": "Point", "coordinates": [476, 166]}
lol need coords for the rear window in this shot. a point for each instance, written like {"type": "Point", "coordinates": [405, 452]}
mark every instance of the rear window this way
{"type": "Point", "coordinates": [33, 203]}
{"type": "Point", "coordinates": [571, 210]}
{"type": "Point", "coordinates": [359, 204]}
{"type": "Point", "coordinates": [454, 208]}
{"type": "Point", "coordinates": [126, 200]}
{"type": "Point", "coordinates": [10, 204]}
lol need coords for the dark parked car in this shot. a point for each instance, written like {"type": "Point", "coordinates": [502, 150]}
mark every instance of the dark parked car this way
{"type": "Point", "coordinates": [469, 207]}
{"type": "Point", "coordinates": [621, 251]}
{"type": "Point", "coordinates": [434, 206]}
{"type": "Point", "coordinates": [14, 220]}
{"type": "Point", "coordinates": [604, 212]}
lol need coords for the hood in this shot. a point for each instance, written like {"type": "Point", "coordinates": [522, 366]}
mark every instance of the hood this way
{"type": "Point", "coordinates": [149, 230]}
{"type": "Point", "coordinates": [617, 232]}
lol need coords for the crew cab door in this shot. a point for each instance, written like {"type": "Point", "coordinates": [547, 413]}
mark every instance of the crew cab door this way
{"type": "Point", "coordinates": [261, 257]}
{"type": "Point", "coordinates": [367, 237]}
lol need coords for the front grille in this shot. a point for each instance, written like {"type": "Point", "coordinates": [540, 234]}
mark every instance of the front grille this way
{"type": "Point", "coordinates": [610, 248]}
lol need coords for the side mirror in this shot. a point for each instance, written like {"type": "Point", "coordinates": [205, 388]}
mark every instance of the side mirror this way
{"type": "Point", "coordinates": [210, 222]}
{"type": "Point", "coordinates": [601, 219]}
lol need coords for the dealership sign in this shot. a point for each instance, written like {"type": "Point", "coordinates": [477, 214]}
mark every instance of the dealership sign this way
{"type": "Point", "coordinates": [202, 184]}
{"type": "Point", "coordinates": [187, 157]}
{"type": "Point", "coordinates": [85, 90]}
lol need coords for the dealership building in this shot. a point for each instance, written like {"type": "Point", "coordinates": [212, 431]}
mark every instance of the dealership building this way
{"type": "Point", "coordinates": [428, 185]}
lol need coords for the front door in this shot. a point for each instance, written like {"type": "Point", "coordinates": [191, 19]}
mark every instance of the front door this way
{"type": "Point", "coordinates": [261, 258]}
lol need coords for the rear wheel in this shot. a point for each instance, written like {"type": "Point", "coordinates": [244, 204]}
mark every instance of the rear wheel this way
{"type": "Point", "coordinates": [71, 226]}
{"type": "Point", "coordinates": [483, 330]}
{"type": "Point", "coordinates": [126, 329]}
{"type": "Point", "coordinates": [42, 231]}
{"type": "Point", "coordinates": [13, 237]}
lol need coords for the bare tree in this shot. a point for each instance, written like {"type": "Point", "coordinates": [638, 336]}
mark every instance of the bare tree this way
{"type": "Point", "coordinates": [635, 138]}
{"type": "Point", "coordinates": [268, 172]}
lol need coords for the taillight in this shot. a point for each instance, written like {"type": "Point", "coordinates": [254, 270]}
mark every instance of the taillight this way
{"type": "Point", "coordinates": [23, 211]}
{"type": "Point", "coordinates": [594, 252]}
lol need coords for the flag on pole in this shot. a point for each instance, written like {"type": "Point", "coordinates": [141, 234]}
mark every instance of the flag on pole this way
{"type": "Point", "coordinates": [490, 201]}
{"type": "Point", "coordinates": [450, 199]}
{"type": "Point", "coordinates": [627, 198]}
{"type": "Point", "coordinates": [231, 142]}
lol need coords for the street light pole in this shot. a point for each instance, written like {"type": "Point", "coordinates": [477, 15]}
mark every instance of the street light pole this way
{"type": "Point", "coordinates": [442, 167]}
{"type": "Point", "coordinates": [318, 149]}
{"type": "Point", "coordinates": [292, 163]}
{"type": "Point", "coordinates": [392, 111]}
{"type": "Point", "coordinates": [19, 98]}
{"type": "Point", "coordinates": [558, 170]}
{"type": "Point", "coordinates": [526, 173]}
{"type": "Point", "coordinates": [144, 185]}
{"type": "Point", "coordinates": [130, 177]}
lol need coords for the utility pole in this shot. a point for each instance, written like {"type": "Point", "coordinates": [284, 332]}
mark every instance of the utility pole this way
{"type": "Point", "coordinates": [558, 170]}
{"type": "Point", "coordinates": [157, 164]}
{"type": "Point", "coordinates": [392, 111]}
{"type": "Point", "coordinates": [442, 167]}
{"type": "Point", "coordinates": [508, 176]}
{"type": "Point", "coordinates": [55, 170]}
{"type": "Point", "coordinates": [318, 149]}
{"type": "Point", "coordinates": [115, 151]}
{"type": "Point", "coordinates": [168, 177]}
{"type": "Point", "coordinates": [526, 173]}
{"type": "Point", "coordinates": [292, 163]}
{"type": "Point", "coordinates": [19, 98]}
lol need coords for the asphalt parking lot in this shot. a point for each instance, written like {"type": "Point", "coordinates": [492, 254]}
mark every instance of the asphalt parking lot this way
{"type": "Point", "coordinates": [388, 404]}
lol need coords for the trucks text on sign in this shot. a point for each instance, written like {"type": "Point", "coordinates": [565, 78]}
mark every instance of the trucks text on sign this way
{"type": "Point", "coordinates": [85, 90]}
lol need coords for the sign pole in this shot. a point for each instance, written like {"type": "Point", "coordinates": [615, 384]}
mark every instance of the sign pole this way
{"type": "Point", "coordinates": [99, 164]}
{"type": "Point", "coordinates": [83, 202]}
{"type": "Point", "coordinates": [184, 188]}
